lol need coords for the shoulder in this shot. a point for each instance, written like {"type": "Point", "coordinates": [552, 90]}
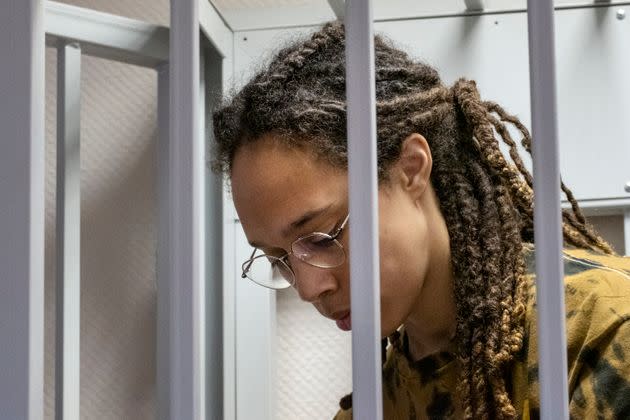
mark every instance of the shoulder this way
{"type": "Point", "coordinates": [597, 325]}
{"type": "Point", "coordinates": [597, 296]}
{"type": "Point", "coordinates": [345, 408]}
{"type": "Point", "coordinates": [598, 334]}
{"type": "Point", "coordinates": [597, 308]}
{"type": "Point", "coordinates": [597, 289]}
{"type": "Point", "coordinates": [595, 284]}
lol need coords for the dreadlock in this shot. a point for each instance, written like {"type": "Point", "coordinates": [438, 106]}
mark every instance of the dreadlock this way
{"type": "Point", "coordinates": [485, 199]}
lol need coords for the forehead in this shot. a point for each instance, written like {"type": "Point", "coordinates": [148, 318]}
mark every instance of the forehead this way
{"type": "Point", "coordinates": [273, 184]}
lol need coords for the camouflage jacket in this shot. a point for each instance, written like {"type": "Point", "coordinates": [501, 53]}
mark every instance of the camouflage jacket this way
{"type": "Point", "coordinates": [597, 300]}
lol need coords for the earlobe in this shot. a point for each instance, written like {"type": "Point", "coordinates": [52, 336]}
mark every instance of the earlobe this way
{"type": "Point", "coordinates": [415, 163]}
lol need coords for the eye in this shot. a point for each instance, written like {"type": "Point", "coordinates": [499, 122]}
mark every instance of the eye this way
{"type": "Point", "coordinates": [322, 241]}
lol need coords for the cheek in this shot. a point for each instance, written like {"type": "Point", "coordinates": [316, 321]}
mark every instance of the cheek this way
{"type": "Point", "coordinates": [403, 267]}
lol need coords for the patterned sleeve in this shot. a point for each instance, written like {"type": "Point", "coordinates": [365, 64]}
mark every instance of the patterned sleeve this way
{"type": "Point", "coordinates": [603, 388]}
{"type": "Point", "coordinates": [343, 415]}
{"type": "Point", "coordinates": [345, 411]}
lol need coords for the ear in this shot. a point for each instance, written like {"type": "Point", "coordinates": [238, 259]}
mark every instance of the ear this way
{"type": "Point", "coordinates": [415, 164]}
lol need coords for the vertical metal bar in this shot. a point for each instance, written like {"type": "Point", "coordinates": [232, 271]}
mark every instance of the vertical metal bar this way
{"type": "Point", "coordinates": [68, 301]}
{"type": "Point", "coordinates": [552, 346]}
{"type": "Point", "coordinates": [206, 320]}
{"type": "Point", "coordinates": [210, 91]}
{"type": "Point", "coordinates": [22, 162]}
{"type": "Point", "coordinates": [163, 350]}
{"type": "Point", "coordinates": [229, 253]}
{"type": "Point", "coordinates": [626, 232]}
{"type": "Point", "coordinates": [186, 213]}
{"type": "Point", "coordinates": [220, 303]}
{"type": "Point", "coordinates": [338, 7]}
{"type": "Point", "coordinates": [199, 176]}
{"type": "Point", "coordinates": [230, 265]}
{"type": "Point", "coordinates": [364, 258]}
{"type": "Point", "coordinates": [474, 5]}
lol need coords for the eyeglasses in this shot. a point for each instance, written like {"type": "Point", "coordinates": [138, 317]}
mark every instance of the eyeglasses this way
{"type": "Point", "coordinates": [317, 249]}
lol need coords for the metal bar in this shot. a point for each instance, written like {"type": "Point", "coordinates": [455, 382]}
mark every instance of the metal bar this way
{"type": "Point", "coordinates": [68, 300]}
{"type": "Point", "coordinates": [338, 7]}
{"type": "Point", "coordinates": [164, 323]}
{"type": "Point", "coordinates": [230, 263]}
{"type": "Point", "coordinates": [107, 36]}
{"type": "Point", "coordinates": [626, 232]}
{"type": "Point", "coordinates": [210, 95]}
{"type": "Point", "coordinates": [215, 28]}
{"type": "Point", "coordinates": [204, 319]}
{"type": "Point", "coordinates": [611, 203]}
{"type": "Point", "coordinates": [201, 126]}
{"type": "Point", "coordinates": [22, 170]}
{"type": "Point", "coordinates": [474, 5]}
{"type": "Point", "coordinates": [364, 258]}
{"type": "Point", "coordinates": [552, 347]}
{"type": "Point", "coordinates": [601, 207]}
{"type": "Point", "coordinates": [186, 202]}
{"type": "Point", "coordinates": [229, 320]}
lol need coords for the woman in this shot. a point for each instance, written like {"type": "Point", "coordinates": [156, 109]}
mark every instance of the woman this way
{"type": "Point", "coordinates": [456, 227]}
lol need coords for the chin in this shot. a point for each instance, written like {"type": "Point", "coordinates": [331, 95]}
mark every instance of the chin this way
{"type": "Point", "coordinates": [387, 330]}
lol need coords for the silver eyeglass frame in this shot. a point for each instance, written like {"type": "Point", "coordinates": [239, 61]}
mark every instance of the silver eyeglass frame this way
{"type": "Point", "coordinates": [284, 260]}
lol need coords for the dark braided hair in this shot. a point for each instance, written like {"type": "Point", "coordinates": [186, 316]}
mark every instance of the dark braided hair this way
{"type": "Point", "coordinates": [485, 199]}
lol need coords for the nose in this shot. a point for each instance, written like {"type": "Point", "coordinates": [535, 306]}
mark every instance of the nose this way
{"type": "Point", "coordinates": [311, 282]}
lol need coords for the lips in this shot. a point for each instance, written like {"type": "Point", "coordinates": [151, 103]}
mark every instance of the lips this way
{"type": "Point", "coordinates": [344, 321]}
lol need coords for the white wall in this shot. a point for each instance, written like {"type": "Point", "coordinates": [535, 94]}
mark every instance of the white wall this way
{"type": "Point", "coordinates": [118, 225]}
{"type": "Point", "coordinates": [313, 359]}
{"type": "Point", "coordinates": [611, 228]}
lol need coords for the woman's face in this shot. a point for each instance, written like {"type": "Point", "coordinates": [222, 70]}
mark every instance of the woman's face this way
{"type": "Point", "coordinates": [274, 186]}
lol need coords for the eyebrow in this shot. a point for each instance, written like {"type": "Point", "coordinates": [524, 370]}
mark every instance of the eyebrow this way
{"type": "Point", "coordinates": [298, 223]}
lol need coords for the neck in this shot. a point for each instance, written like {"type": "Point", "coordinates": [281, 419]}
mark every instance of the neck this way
{"type": "Point", "coordinates": [431, 325]}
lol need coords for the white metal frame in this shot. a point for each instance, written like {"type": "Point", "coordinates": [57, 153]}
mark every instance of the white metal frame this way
{"type": "Point", "coordinates": [186, 389]}
{"type": "Point", "coordinates": [552, 343]}
{"type": "Point", "coordinates": [22, 210]}
{"type": "Point", "coordinates": [189, 196]}
{"type": "Point", "coordinates": [363, 192]}
{"type": "Point", "coordinates": [164, 324]}
{"type": "Point", "coordinates": [107, 36]}
{"type": "Point", "coordinates": [68, 290]}
{"type": "Point", "coordinates": [211, 82]}
{"type": "Point", "coordinates": [182, 320]}
{"type": "Point", "coordinates": [184, 281]}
